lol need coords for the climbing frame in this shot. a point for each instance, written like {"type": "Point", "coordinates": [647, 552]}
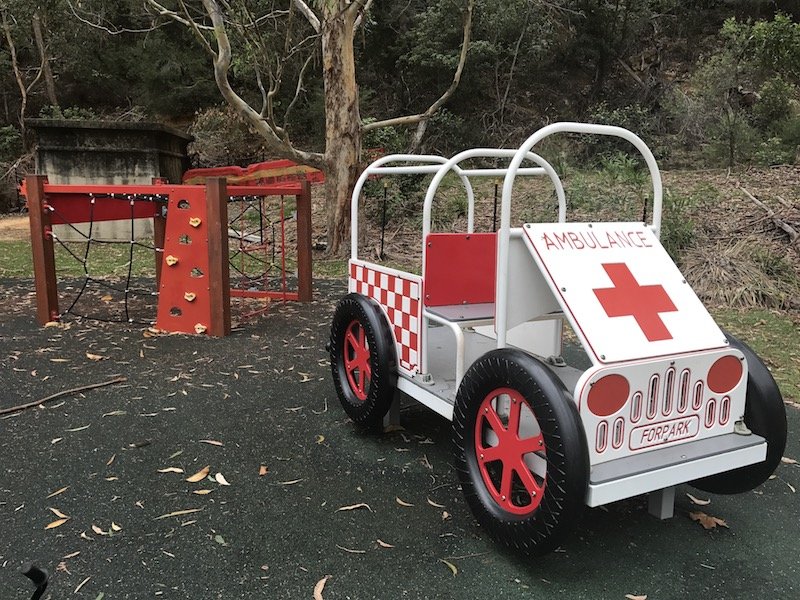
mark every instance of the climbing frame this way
{"type": "Point", "coordinates": [192, 298]}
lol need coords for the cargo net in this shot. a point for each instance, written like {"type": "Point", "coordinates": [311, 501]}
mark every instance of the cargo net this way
{"type": "Point", "coordinates": [262, 241]}
{"type": "Point", "coordinates": [116, 286]}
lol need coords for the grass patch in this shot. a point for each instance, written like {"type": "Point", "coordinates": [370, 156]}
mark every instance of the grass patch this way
{"type": "Point", "coordinates": [773, 336]}
{"type": "Point", "coordinates": [16, 259]}
{"type": "Point", "coordinates": [105, 260]}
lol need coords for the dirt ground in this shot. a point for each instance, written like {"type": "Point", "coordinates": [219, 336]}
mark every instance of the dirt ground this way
{"type": "Point", "coordinates": [14, 227]}
{"type": "Point", "coordinates": [259, 408]}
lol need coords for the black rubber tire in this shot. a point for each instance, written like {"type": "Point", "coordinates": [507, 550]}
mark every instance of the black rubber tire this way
{"type": "Point", "coordinates": [764, 415]}
{"type": "Point", "coordinates": [356, 310]}
{"type": "Point", "coordinates": [566, 454]}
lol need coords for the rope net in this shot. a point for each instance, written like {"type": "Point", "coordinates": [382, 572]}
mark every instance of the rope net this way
{"type": "Point", "coordinates": [137, 295]}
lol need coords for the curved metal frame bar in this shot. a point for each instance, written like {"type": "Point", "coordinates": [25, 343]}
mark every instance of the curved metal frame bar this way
{"type": "Point", "coordinates": [508, 185]}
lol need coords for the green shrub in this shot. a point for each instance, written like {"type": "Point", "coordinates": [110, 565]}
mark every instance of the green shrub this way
{"type": "Point", "coordinates": [10, 143]}
{"type": "Point", "coordinates": [774, 103]}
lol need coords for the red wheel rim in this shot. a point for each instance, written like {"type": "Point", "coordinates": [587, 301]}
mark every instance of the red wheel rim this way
{"type": "Point", "coordinates": [510, 452]}
{"type": "Point", "coordinates": [356, 359]}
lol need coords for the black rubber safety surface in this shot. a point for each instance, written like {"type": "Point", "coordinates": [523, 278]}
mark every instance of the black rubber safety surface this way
{"type": "Point", "coordinates": [265, 393]}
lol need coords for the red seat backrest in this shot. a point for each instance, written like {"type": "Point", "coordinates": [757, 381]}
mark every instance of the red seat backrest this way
{"type": "Point", "coordinates": [460, 268]}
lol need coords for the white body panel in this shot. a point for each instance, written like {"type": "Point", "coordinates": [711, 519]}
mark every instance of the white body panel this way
{"type": "Point", "coordinates": [624, 296]}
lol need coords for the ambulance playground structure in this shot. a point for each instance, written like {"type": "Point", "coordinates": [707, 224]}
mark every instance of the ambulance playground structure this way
{"type": "Point", "coordinates": [658, 396]}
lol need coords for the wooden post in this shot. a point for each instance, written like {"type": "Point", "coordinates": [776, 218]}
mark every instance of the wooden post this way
{"type": "Point", "coordinates": [219, 288]}
{"type": "Point", "coordinates": [304, 269]}
{"type": "Point", "coordinates": [159, 234]}
{"type": "Point", "coordinates": [44, 263]}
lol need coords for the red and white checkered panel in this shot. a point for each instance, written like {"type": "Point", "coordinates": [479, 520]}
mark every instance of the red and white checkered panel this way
{"type": "Point", "coordinates": [399, 294]}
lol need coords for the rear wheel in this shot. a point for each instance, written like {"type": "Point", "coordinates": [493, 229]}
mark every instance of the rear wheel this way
{"type": "Point", "coordinates": [764, 415]}
{"type": "Point", "coordinates": [521, 452]}
{"type": "Point", "coordinates": [363, 360]}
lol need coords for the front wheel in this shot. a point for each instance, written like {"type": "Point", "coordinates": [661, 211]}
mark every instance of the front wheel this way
{"type": "Point", "coordinates": [521, 453]}
{"type": "Point", "coordinates": [363, 360]}
{"type": "Point", "coordinates": [764, 415]}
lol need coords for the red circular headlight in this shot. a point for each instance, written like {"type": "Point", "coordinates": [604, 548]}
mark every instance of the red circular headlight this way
{"type": "Point", "coordinates": [725, 374]}
{"type": "Point", "coordinates": [608, 394]}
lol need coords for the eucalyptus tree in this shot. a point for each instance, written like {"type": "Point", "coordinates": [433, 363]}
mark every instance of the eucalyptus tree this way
{"type": "Point", "coordinates": [279, 42]}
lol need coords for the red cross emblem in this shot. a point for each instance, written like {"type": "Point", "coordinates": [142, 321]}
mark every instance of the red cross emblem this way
{"type": "Point", "coordinates": [642, 302]}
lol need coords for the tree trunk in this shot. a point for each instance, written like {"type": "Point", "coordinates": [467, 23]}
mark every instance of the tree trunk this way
{"type": "Point", "coordinates": [342, 119]}
{"type": "Point", "coordinates": [49, 80]}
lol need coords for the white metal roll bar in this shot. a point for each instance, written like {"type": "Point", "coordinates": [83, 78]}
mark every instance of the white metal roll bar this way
{"type": "Point", "coordinates": [501, 295]}
{"type": "Point", "coordinates": [452, 165]}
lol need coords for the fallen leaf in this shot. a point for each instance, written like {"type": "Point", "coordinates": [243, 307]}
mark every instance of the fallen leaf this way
{"type": "Point", "coordinates": [202, 492]}
{"type": "Point", "coordinates": [86, 537]}
{"type": "Point", "coordinates": [57, 492]}
{"type": "Point", "coordinates": [263, 470]}
{"type": "Point", "coordinates": [632, 597]}
{"type": "Point", "coordinates": [55, 524]}
{"type": "Point", "coordinates": [320, 439]}
{"type": "Point", "coordinates": [788, 461]}
{"type": "Point", "coordinates": [178, 513]}
{"type": "Point", "coordinates": [319, 587]}
{"type": "Point", "coordinates": [707, 521]}
{"type": "Point", "coordinates": [115, 527]}
{"type": "Point", "coordinates": [292, 482]}
{"type": "Point", "coordinates": [452, 567]}
{"type": "Point", "coordinates": [220, 478]}
{"type": "Point", "coordinates": [116, 413]}
{"type": "Point", "coordinates": [212, 442]}
{"type": "Point", "coordinates": [81, 584]}
{"type": "Point", "coordinates": [445, 515]}
{"type": "Point", "coordinates": [57, 513]}
{"type": "Point", "coordinates": [698, 501]}
{"type": "Point", "coordinates": [403, 502]}
{"type": "Point", "coordinates": [56, 440]}
{"type": "Point", "coordinates": [98, 531]}
{"type": "Point", "coordinates": [59, 360]}
{"type": "Point", "coordinates": [435, 504]}
{"type": "Point", "coordinates": [220, 540]}
{"type": "Point", "coordinates": [171, 470]}
{"type": "Point", "coordinates": [79, 428]}
{"type": "Point", "coordinates": [200, 475]}
{"type": "Point", "coordinates": [354, 507]}
{"type": "Point", "coordinates": [111, 460]}
{"type": "Point", "coordinates": [71, 555]}
{"type": "Point", "coordinates": [350, 550]}
{"type": "Point", "coordinates": [383, 544]}
{"type": "Point", "coordinates": [791, 487]}
{"type": "Point", "coordinates": [91, 356]}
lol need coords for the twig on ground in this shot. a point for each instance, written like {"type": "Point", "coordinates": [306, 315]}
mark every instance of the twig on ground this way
{"type": "Point", "coordinates": [780, 223]}
{"type": "Point", "coordinates": [82, 388]}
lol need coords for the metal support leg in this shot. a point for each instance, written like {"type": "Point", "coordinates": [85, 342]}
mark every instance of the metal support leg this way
{"type": "Point", "coordinates": [392, 418]}
{"type": "Point", "coordinates": [661, 503]}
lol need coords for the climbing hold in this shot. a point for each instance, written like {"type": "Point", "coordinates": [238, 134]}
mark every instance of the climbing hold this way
{"type": "Point", "coordinates": [189, 296]}
{"type": "Point", "coordinates": [195, 221]}
{"type": "Point", "coordinates": [200, 328]}
{"type": "Point", "coordinates": [171, 260]}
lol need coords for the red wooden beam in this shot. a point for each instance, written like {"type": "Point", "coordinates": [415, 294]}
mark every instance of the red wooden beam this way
{"type": "Point", "coordinates": [218, 267]}
{"type": "Point", "coordinates": [44, 264]}
{"type": "Point", "coordinates": [304, 268]}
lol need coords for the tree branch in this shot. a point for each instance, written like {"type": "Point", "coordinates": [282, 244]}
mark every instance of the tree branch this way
{"type": "Point", "coordinates": [108, 30]}
{"type": "Point", "coordinates": [309, 14]}
{"type": "Point", "coordinates": [222, 65]}
{"type": "Point", "coordinates": [362, 14]}
{"type": "Point", "coordinates": [421, 120]}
